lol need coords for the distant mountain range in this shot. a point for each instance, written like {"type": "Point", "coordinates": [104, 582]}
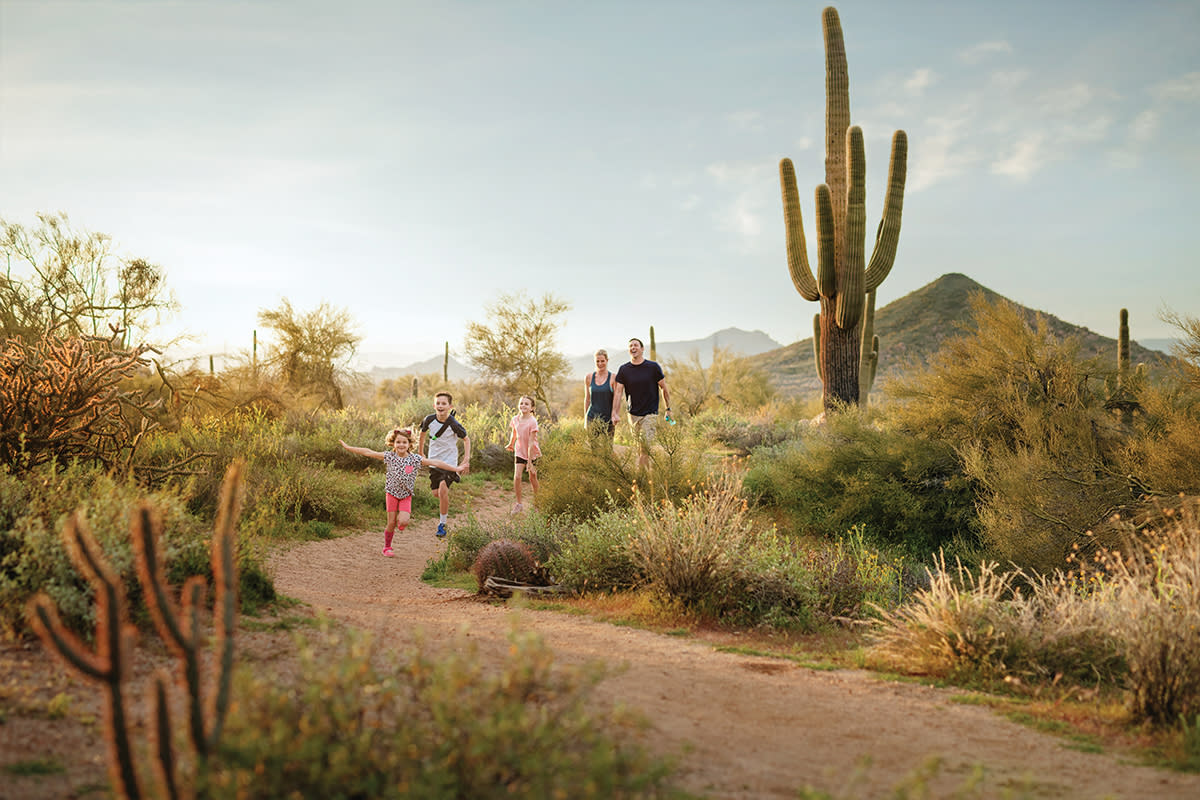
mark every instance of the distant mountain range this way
{"type": "Point", "coordinates": [738, 341]}
{"type": "Point", "coordinates": [913, 327]}
{"type": "Point", "coordinates": [910, 330]}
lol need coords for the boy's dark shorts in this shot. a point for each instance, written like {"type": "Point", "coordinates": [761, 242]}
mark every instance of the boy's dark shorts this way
{"type": "Point", "coordinates": [519, 460]}
{"type": "Point", "coordinates": [436, 476]}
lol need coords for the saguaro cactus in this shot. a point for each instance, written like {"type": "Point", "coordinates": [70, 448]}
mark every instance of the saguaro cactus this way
{"type": "Point", "coordinates": [446, 364]}
{"type": "Point", "coordinates": [653, 345]}
{"type": "Point", "coordinates": [844, 280]}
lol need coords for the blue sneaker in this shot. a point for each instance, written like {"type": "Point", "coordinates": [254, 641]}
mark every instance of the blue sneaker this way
{"type": "Point", "coordinates": [441, 531]}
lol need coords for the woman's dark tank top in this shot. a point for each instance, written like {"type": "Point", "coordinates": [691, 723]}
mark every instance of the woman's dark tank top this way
{"type": "Point", "coordinates": [602, 399]}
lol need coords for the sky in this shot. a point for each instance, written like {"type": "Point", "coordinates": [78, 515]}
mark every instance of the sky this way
{"type": "Point", "coordinates": [410, 162]}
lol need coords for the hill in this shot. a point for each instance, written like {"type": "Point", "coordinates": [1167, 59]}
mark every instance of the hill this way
{"type": "Point", "coordinates": [455, 369]}
{"type": "Point", "coordinates": [914, 327]}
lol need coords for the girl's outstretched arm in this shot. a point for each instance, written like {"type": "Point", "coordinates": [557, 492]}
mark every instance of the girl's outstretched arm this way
{"type": "Point", "coordinates": [442, 465]}
{"type": "Point", "coordinates": [363, 451]}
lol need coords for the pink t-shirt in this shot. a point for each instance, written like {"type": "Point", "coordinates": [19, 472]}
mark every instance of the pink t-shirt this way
{"type": "Point", "coordinates": [524, 428]}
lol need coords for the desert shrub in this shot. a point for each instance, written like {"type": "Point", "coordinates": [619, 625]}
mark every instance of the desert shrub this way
{"type": "Point", "coordinates": [907, 493]}
{"type": "Point", "coordinates": [1027, 419]}
{"type": "Point", "coordinates": [688, 550]}
{"type": "Point", "coordinates": [989, 624]}
{"type": "Point", "coordinates": [959, 626]}
{"type": "Point", "coordinates": [540, 533]}
{"type": "Point", "coordinates": [582, 475]}
{"type": "Point", "coordinates": [429, 726]}
{"type": "Point", "coordinates": [594, 554]}
{"type": "Point", "coordinates": [1164, 458]}
{"type": "Point", "coordinates": [744, 432]}
{"type": "Point", "coordinates": [1154, 605]}
{"type": "Point", "coordinates": [509, 560]}
{"type": "Point", "coordinates": [34, 558]}
{"type": "Point", "coordinates": [850, 576]}
{"type": "Point", "coordinates": [728, 381]}
{"type": "Point", "coordinates": [61, 399]}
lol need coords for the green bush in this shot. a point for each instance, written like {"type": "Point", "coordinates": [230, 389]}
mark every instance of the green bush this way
{"type": "Point", "coordinates": [583, 475]}
{"type": "Point", "coordinates": [1026, 418]}
{"type": "Point", "coordinates": [418, 726]}
{"type": "Point", "coordinates": [594, 555]}
{"type": "Point", "coordinates": [34, 558]}
{"type": "Point", "coordinates": [907, 493]}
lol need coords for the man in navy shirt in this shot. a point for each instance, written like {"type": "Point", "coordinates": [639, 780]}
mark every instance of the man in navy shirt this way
{"type": "Point", "coordinates": [640, 379]}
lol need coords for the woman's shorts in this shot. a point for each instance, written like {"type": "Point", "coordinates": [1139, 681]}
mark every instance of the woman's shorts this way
{"type": "Point", "coordinates": [436, 476]}
{"type": "Point", "coordinates": [398, 503]}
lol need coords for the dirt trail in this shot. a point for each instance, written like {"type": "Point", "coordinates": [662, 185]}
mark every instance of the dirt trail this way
{"type": "Point", "coordinates": [750, 727]}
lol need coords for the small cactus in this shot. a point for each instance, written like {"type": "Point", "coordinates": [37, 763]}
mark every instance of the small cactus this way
{"type": "Point", "coordinates": [653, 346]}
{"type": "Point", "coordinates": [414, 386]}
{"type": "Point", "coordinates": [111, 662]}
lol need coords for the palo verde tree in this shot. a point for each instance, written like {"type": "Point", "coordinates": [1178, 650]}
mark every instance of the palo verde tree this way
{"type": "Point", "coordinates": [516, 346]}
{"type": "Point", "coordinates": [313, 350]}
{"type": "Point", "coordinates": [68, 282]}
{"type": "Point", "coordinates": [844, 284]}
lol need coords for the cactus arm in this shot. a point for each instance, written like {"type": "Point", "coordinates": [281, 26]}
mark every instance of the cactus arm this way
{"type": "Point", "coordinates": [826, 238]}
{"type": "Point", "coordinates": [888, 236]}
{"type": "Point", "coordinates": [837, 116]}
{"type": "Point", "coordinates": [851, 295]}
{"type": "Point", "coordinates": [109, 663]}
{"type": "Point", "coordinates": [225, 576]}
{"type": "Point", "coordinates": [70, 648]}
{"type": "Point", "coordinates": [797, 248]}
{"type": "Point", "coordinates": [162, 734]}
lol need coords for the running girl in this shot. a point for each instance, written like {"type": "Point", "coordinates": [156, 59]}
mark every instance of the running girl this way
{"type": "Point", "coordinates": [402, 463]}
{"type": "Point", "coordinates": [523, 441]}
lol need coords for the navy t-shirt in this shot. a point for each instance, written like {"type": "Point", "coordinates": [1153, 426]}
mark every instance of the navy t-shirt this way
{"type": "Point", "coordinates": [641, 385]}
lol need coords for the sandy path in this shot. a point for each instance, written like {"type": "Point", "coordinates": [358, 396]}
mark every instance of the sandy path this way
{"type": "Point", "coordinates": [753, 727]}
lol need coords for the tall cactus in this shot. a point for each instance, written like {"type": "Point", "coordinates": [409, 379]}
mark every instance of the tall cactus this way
{"type": "Point", "coordinates": [844, 279]}
{"type": "Point", "coordinates": [653, 346]}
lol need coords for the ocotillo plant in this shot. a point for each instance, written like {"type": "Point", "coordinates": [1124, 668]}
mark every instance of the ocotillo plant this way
{"type": "Point", "coordinates": [110, 664]}
{"type": "Point", "coordinates": [844, 279]}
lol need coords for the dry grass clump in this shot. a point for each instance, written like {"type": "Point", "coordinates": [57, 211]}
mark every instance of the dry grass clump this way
{"type": "Point", "coordinates": [686, 549]}
{"type": "Point", "coordinates": [1129, 620]}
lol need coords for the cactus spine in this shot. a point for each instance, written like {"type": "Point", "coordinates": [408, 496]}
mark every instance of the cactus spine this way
{"type": "Point", "coordinates": [844, 280]}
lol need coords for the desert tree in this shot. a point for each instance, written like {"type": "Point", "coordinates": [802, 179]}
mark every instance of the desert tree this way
{"type": "Point", "coordinates": [313, 350]}
{"type": "Point", "coordinates": [515, 346]}
{"type": "Point", "coordinates": [729, 381]}
{"type": "Point", "coordinates": [69, 282]}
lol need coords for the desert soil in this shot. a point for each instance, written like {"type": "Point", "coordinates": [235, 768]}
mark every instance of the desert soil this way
{"type": "Point", "coordinates": [746, 726]}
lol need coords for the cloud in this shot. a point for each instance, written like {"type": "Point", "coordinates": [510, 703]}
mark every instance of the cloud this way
{"type": "Point", "coordinates": [743, 214]}
{"type": "Point", "coordinates": [1026, 157]}
{"type": "Point", "coordinates": [1008, 80]}
{"type": "Point", "coordinates": [979, 52]}
{"type": "Point", "coordinates": [920, 80]}
{"type": "Point", "coordinates": [1144, 126]}
{"type": "Point", "coordinates": [938, 153]}
{"type": "Point", "coordinates": [1184, 89]}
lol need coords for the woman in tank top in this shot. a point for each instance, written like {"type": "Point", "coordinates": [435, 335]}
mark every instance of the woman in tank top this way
{"type": "Point", "coordinates": [598, 395]}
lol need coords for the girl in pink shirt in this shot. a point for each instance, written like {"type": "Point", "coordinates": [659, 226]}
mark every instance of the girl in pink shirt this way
{"type": "Point", "coordinates": [523, 441]}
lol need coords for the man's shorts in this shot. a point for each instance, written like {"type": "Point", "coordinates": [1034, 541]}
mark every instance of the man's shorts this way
{"type": "Point", "coordinates": [644, 426]}
{"type": "Point", "coordinates": [436, 476]}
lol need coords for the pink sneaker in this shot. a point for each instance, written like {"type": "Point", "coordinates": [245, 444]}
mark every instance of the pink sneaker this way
{"type": "Point", "coordinates": [387, 551]}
